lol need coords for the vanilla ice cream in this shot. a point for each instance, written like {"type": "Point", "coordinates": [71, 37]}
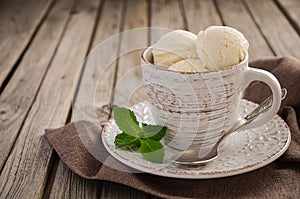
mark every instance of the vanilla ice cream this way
{"type": "Point", "coordinates": [188, 65]}
{"type": "Point", "coordinates": [215, 48]}
{"type": "Point", "coordinates": [221, 46]}
{"type": "Point", "coordinates": [173, 47]}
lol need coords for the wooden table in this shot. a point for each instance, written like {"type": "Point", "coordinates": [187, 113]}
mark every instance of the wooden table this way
{"type": "Point", "coordinates": [43, 44]}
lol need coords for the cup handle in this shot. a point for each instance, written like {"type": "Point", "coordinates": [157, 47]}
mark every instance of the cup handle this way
{"type": "Point", "coordinates": [253, 74]}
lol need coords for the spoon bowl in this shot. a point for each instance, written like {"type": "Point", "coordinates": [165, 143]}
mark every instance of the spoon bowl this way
{"type": "Point", "coordinates": [191, 156]}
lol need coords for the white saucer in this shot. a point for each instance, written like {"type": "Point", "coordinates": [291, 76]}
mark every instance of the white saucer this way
{"type": "Point", "coordinates": [241, 152]}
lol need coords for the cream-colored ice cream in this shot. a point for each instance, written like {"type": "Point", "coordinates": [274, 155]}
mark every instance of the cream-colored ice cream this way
{"type": "Point", "coordinates": [173, 47]}
{"type": "Point", "coordinates": [221, 46]}
{"type": "Point", "coordinates": [188, 65]}
{"type": "Point", "coordinates": [215, 48]}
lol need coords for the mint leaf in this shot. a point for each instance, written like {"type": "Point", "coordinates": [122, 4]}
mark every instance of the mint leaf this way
{"type": "Point", "coordinates": [145, 137]}
{"type": "Point", "coordinates": [155, 132]}
{"type": "Point", "coordinates": [152, 150]}
{"type": "Point", "coordinates": [127, 121]}
{"type": "Point", "coordinates": [126, 141]}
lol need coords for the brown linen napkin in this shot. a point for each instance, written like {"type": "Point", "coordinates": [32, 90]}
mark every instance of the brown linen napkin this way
{"type": "Point", "coordinates": [279, 179]}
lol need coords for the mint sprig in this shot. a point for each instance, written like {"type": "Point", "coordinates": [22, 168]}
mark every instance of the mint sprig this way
{"type": "Point", "coordinates": [145, 137]}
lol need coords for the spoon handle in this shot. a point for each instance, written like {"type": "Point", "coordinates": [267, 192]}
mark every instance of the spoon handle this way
{"type": "Point", "coordinates": [191, 156]}
{"type": "Point", "coordinates": [263, 107]}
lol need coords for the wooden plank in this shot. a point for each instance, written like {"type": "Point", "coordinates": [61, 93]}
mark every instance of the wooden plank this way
{"type": "Point", "coordinates": [200, 14]}
{"type": "Point", "coordinates": [16, 99]}
{"type": "Point", "coordinates": [281, 36]}
{"type": "Point", "coordinates": [291, 9]}
{"type": "Point", "coordinates": [25, 172]}
{"type": "Point", "coordinates": [18, 21]}
{"type": "Point", "coordinates": [114, 191]}
{"type": "Point", "coordinates": [69, 185]}
{"type": "Point", "coordinates": [102, 72]}
{"type": "Point", "coordinates": [129, 85]}
{"type": "Point", "coordinates": [66, 183]}
{"type": "Point", "coordinates": [165, 14]}
{"type": "Point", "coordinates": [235, 14]}
{"type": "Point", "coordinates": [129, 88]}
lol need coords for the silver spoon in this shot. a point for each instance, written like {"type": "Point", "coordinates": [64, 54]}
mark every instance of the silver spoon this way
{"type": "Point", "coordinates": [191, 156]}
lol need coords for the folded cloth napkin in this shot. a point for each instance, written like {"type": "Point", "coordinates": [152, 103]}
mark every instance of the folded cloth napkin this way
{"type": "Point", "coordinates": [280, 179]}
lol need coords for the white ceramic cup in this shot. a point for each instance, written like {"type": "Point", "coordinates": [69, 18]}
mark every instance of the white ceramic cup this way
{"type": "Point", "coordinates": [197, 107]}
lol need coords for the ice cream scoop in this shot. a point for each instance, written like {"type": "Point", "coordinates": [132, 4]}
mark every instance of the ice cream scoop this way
{"type": "Point", "coordinates": [173, 47]}
{"type": "Point", "coordinates": [221, 46]}
{"type": "Point", "coordinates": [189, 65]}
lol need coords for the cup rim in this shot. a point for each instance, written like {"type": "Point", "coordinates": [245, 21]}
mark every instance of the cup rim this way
{"type": "Point", "coordinates": [143, 57]}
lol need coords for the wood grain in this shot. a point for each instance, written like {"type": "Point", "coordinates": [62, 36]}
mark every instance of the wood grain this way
{"type": "Point", "coordinates": [43, 45]}
{"type": "Point", "coordinates": [129, 87]}
{"type": "Point", "coordinates": [200, 14]}
{"type": "Point", "coordinates": [115, 191]}
{"type": "Point", "coordinates": [103, 71]}
{"type": "Point", "coordinates": [67, 184]}
{"type": "Point", "coordinates": [18, 21]}
{"type": "Point", "coordinates": [235, 14]}
{"type": "Point", "coordinates": [166, 15]}
{"type": "Point", "coordinates": [25, 172]}
{"type": "Point", "coordinates": [281, 36]}
{"type": "Point", "coordinates": [20, 92]}
{"type": "Point", "coordinates": [291, 8]}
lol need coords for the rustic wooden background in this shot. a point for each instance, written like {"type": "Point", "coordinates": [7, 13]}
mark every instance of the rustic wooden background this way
{"type": "Point", "coordinates": [43, 44]}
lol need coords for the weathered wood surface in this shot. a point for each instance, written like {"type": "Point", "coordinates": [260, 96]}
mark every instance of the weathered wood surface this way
{"type": "Point", "coordinates": [67, 184]}
{"type": "Point", "coordinates": [128, 80]}
{"type": "Point", "coordinates": [166, 15]}
{"type": "Point", "coordinates": [235, 14]}
{"type": "Point", "coordinates": [281, 36]}
{"type": "Point", "coordinates": [26, 170]}
{"type": "Point", "coordinates": [44, 44]}
{"type": "Point", "coordinates": [18, 21]}
{"type": "Point", "coordinates": [200, 14]}
{"type": "Point", "coordinates": [20, 92]}
{"type": "Point", "coordinates": [291, 9]}
{"type": "Point", "coordinates": [129, 85]}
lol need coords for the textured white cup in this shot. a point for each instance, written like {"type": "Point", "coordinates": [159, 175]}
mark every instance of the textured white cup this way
{"type": "Point", "coordinates": [198, 107]}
